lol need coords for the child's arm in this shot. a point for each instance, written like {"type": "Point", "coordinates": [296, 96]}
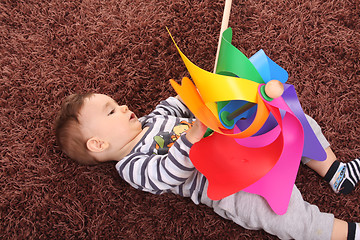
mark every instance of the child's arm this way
{"type": "Point", "coordinates": [156, 173]}
{"type": "Point", "coordinates": [172, 106]}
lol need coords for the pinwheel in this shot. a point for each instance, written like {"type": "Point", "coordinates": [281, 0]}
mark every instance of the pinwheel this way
{"type": "Point", "coordinates": [260, 129]}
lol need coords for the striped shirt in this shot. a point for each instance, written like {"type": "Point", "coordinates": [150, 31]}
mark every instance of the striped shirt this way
{"type": "Point", "coordinates": [160, 161]}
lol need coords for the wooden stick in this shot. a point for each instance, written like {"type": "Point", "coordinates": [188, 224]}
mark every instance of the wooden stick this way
{"type": "Point", "coordinates": [240, 110]}
{"type": "Point", "coordinates": [224, 26]}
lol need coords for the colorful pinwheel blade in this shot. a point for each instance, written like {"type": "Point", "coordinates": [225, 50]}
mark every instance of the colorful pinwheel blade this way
{"type": "Point", "coordinates": [263, 152]}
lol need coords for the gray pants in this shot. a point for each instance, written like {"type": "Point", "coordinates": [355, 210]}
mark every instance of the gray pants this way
{"type": "Point", "coordinates": [301, 221]}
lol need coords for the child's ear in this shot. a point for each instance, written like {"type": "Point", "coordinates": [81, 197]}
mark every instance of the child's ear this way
{"type": "Point", "coordinates": [96, 145]}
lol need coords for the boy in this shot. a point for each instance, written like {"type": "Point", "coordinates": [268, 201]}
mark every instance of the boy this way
{"type": "Point", "coordinates": [93, 128]}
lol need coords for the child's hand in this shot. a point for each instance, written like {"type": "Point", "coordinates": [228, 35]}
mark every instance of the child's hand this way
{"type": "Point", "coordinates": [197, 132]}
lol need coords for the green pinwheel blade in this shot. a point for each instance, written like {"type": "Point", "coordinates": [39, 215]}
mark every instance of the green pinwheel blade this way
{"type": "Point", "coordinates": [232, 62]}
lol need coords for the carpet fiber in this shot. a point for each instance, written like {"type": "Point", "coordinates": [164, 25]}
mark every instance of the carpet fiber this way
{"type": "Point", "coordinates": [52, 48]}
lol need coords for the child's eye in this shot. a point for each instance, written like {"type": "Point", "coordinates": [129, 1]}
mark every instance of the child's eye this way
{"type": "Point", "coordinates": [111, 112]}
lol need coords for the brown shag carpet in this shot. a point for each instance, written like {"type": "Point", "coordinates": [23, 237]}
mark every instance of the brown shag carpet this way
{"type": "Point", "coordinates": [51, 48]}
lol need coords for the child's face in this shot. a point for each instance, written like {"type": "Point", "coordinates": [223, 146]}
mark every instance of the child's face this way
{"type": "Point", "coordinates": [102, 117]}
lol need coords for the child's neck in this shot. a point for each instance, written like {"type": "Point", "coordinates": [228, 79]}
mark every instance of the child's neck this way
{"type": "Point", "coordinates": [130, 146]}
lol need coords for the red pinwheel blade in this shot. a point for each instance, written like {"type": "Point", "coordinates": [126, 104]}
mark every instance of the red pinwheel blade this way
{"type": "Point", "coordinates": [230, 167]}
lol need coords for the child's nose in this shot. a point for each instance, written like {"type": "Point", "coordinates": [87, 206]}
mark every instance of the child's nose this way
{"type": "Point", "coordinates": [124, 108]}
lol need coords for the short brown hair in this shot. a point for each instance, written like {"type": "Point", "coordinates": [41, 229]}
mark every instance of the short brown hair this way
{"type": "Point", "coordinates": [67, 130]}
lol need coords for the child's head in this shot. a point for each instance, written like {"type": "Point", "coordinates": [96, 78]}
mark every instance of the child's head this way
{"type": "Point", "coordinates": [93, 128]}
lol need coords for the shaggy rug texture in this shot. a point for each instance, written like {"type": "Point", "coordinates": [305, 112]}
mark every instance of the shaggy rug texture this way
{"type": "Point", "coordinates": [52, 48]}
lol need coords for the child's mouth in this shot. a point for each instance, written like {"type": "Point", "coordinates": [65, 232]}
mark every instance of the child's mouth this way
{"type": "Point", "coordinates": [132, 116]}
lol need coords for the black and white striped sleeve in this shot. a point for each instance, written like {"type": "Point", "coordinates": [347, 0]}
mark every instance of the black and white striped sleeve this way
{"type": "Point", "coordinates": [158, 172]}
{"type": "Point", "coordinates": [172, 106]}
